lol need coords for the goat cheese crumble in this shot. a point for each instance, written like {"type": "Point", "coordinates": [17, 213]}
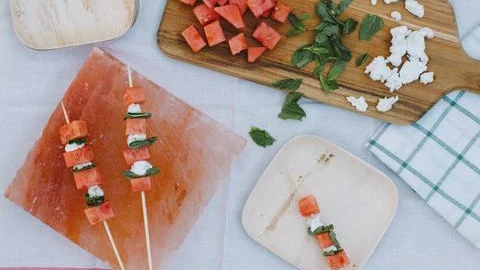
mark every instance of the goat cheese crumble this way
{"type": "Point", "coordinates": [411, 70]}
{"type": "Point", "coordinates": [390, 1]}
{"type": "Point", "coordinates": [136, 138]}
{"type": "Point", "coordinates": [314, 223]}
{"type": "Point", "coordinates": [378, 69]}
{"type": "Point", "coordinates": [359, 103]}
{"type": "Point", "coordinates": [95, 192]}
{"type": "Point", "coordinates": [394, 82]}
{"type": "Point", "coordinates": [140, 167]}
{"type": "Point", "coordinates": [415, 8]}
{"type": "Point", "coordinates": [134, 108]}
{"type": "Point", "coordinates": [397, 16]}
{"type": "Point", "coordinates": [373, 2]}
{"type": "Point", "coordinates": [69, 147]}
{"type": "Point", "coordinates": [426, 77]}
{"type": "Point", "coordinates": [385, 104]}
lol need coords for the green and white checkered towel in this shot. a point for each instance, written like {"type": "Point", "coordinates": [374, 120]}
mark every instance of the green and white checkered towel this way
{"type": "Point", "coordinates": [439, 157]}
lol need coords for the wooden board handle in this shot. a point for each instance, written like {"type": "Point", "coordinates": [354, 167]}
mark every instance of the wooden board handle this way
{"type": "Point", "coordinates": [464, 73]}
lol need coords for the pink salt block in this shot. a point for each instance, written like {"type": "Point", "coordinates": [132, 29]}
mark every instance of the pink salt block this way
{"type": "Point", "coordinates": [195, 154]}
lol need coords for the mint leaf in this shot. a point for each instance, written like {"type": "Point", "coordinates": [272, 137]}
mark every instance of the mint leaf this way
{"type": "Point", "coordinates": [139, 144]}
{"type": "Point", "coordinates": [137, 115]}
{"type": "Point", "coordinates": [291, 109]}
{"type": "Point", "coordinates": [149, 172]}
{"type": "Point", "coordinates": [294, 32]}
{"type": "Point", "coordinates": [337, 70]}
{"type": "Point", "coordinates": [328, 86]}
{"type": "Point", "coordinates": [296, 22]}
{"type": "Point", "coordinates": [342, 6]}
{"type": "Point", "coordinates": [301, 58]}
{"type": "Point", "coordinates": [361, 59]}
{"type": "Point", "coordinates": [94, 201]}
{"type": "Point", "coordinates": [288, 84]}
{"type": "Point", "coordinates": [349, 26]}
{"type": "Point", "coordinates": [261, 137]}
{"type": "Point", "coordinates": [78, 141]}
{"type": "Point", "coordinates": [370, 25]}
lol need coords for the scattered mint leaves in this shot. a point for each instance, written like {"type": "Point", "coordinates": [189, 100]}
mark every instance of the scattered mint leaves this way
{"type": "Point", "coordinates": [301, 57]}
{"type": "Point", "coordinates": [288, 84]}
{"type": "Point", "coordinates": [328, 86]}
{"type": "Point", "coordinates": [362, 59]}
{"type": "Point", "coordinates": [297, 24]}
{"type": "Point", "coordinates": [370, 25]}
{"type": "Point", "coordinates": [337, 69]}
{"type": "Point", "coordinates": [349, 26]}
{"type": "Point", "coordinates": [261, 137]}
{"type": "Point", "coordinates": [342, 6]}
{"type": "Point", "coordinates": [291, 109]}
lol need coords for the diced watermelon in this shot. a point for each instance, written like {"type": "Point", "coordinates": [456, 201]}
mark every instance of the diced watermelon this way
{"type": "Point", "coordinates": [222, 2]}
{"type": "Point", "coordinates": [99, 213]}
{"type": "Point", "coordinates": [258, 7]}
{"type": "Point", "coordinates": [135, 154]}
{"type": "Point", "coordinates": [189, 2]}
{"type": "Point", "coordinates": [87, 178]}
{"type": "Point", "coordinates": [133, 95]}
{"type": "Point", "coordinates": [266, 35]}
{"type": "Point", "coordinates": [324, 240]}
{"type": "Point", "coordinates": [254, 53]}
{"type": "Point", "coordinates": [266, 14]}
{"type": "Point", "coordinates": [82, 155]}
{"type": "Point", "coordinates": [214, 33]}
{"type": "Point", "coordinates": [242, 5]}
{"type": "Point", "coordinates": [280, 12]}
{"type": "Point", "coordinates": [231, 13]}
{"type": "Point", "coordinates": [193, 38]}
{"type": "Point", "coordinates": [141, 184]}
{"type": "Point", "coordinates": [135, 126]}
{"type": "Point", "coordinates": [308, 206]}
{"type": "Point", "coordinates": [210, 3]}
{"type": "Point", "coordinates": [204, 14]}
{"type": "Point", "coordinates": [338, 260]}
{"type": "Point", "coordinates": [238, 43]}
{"type": "Point", "coordinates": [74, 130]}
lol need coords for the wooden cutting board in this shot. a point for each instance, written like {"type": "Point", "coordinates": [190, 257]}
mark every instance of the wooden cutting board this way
{"type": "Point", "coordinates": [453, 68]}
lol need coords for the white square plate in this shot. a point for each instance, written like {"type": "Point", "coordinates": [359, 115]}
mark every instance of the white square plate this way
{"type": "Point", "coordinates": [357, 198]}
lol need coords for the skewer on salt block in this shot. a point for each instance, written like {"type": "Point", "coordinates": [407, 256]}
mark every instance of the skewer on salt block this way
{"type": "Point", "coordinates": [105, 224]}
{"type": "Point", "coordinates": [144, 203]}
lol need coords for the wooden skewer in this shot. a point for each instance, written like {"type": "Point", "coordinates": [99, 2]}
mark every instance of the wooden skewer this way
{"type": "Point", "coordinates": [144, 203]}
{"type": "Point", "coordinates": [105, 224]}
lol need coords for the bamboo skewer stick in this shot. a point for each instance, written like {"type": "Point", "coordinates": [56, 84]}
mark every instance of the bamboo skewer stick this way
{"type": "Point", "coordinates": [144, 203]}
{"type": "Point", "coordinates": [105, 224]}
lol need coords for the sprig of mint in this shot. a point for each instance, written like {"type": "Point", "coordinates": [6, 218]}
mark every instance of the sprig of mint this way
{"type": "Point", "coordinates": [261, 137]}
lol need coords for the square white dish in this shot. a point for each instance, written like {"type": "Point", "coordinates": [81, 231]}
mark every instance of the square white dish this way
{"type": "Point", "coordinates": [354, 196]}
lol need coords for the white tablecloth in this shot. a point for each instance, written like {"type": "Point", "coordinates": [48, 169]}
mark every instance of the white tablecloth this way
{"type": "Point", "coordinates": [34, 82]}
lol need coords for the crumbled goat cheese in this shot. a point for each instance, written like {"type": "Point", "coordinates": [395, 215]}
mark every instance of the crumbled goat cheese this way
{"type": "Point", "coordinates": [416, 46]}
{"type": "Point", "coordinates": [136, 138]}
{"type": "Point", "coordinates": [415, 8]}
{"type": "Point", "coordinates": [314, 222]}
{"type": "Point", "coordinates": [399, 45]}
{"type": "Point", "coordinates": [140, 167]}
{"type": "Point", "coordinates": [394, 82]}
{"type": "Point", "coordinates": [134, 108]}
{"type": "Point", "coordinates": [359, 103]}
{"type": "Point", "coordinates": [373, 2]}
{"type": "Point", "coordinates": [390, 1]}
{"type": "Point", "coordinates": [69, 147]}
{"type": "Point", "coordinates": [385, 104]}
{"type": "Point", "coordinates": [428, 32]}
{"type": "Point", "coordinates": [426, 77]}
{"type": "Point", "coordinates": [378, 69]}
{"type": "Point", "coordinates": [397, 16]}
{"type": "Point", "coordinates": [95, 192]}
{"type": "Point", "coordinates": [82, 165]}
{"type": "Point", "coordinates": [411, 70]}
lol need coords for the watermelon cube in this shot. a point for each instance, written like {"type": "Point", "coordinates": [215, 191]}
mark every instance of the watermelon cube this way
{"type": "Point", "coordinates": [266, 35]}
{"type": "Point", "coordinates": [214, 33]}
{"type": "Point", "coordinates": [254, 53]}
{"type": "Point", "coordinates": [204, 14]}
{"type": "Point", "coordinates": [211, 3]}
{"type": "Point", "coordinates": [99, 213]}
{"type": "Point", "coordinates": [222, 2]}
{"type": "Point", "coordinates": [280, 12]}
{"type": "Point", "coordinates": [189, 2]}
{"type": "Point", "coordinates": [133, 95]}
{"type": "Point", "coordinates": [242, 5]}
{"type": "Point", "coordinates": [193, 38]}
{"type": "Point", "coordinates": [86, 178]}
{"type": "Point", "coordinates": [308, 206]}
{"type": "Point", "coordinates": [258, 7]}
{"type": "Point", "coordinates": [238, 43]}
{"type": "Point", "coordinates": [266, 14]}
{"type": "Point", "coordinates": [141, 184]}
{"type": "Point", "coordinates": [231, 13]}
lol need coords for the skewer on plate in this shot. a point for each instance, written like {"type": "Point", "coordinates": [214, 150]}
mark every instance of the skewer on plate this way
{"type": "Point", "coordinates": [79, 156]}
{"type": "Point", "coordinates": [137, 153]}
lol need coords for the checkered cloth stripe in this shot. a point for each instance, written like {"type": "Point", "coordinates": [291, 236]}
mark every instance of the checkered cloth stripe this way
{"type": "Point", "coordinates": [439, 158]}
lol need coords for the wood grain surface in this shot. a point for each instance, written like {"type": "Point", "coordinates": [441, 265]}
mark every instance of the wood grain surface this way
{"type": "Point", "coordinates": [453, 68]}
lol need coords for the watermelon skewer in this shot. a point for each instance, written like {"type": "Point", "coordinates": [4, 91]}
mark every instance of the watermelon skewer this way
{"type": "Point", "coordinates": [100, 211]}
{"type": "Point", "coordinates": [137, 157]}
